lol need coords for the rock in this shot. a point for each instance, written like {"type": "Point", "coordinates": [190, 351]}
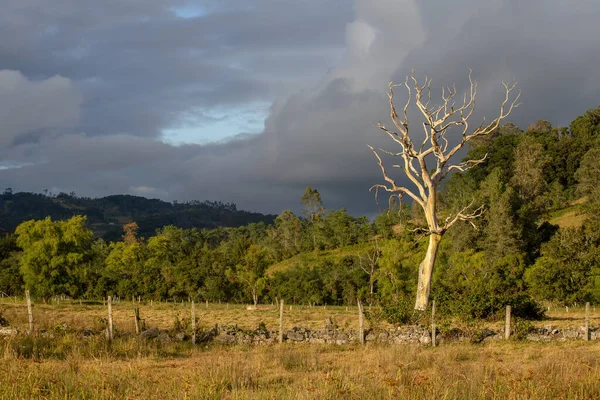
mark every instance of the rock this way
{"type": "Point", "coordinates": [295, 336]}
{"type": "Point", "coordinates": [180, 336]}
{"type": "Point", "coordinates": [453, 334]}
{"type": "Point", "coordinates": [482, 335]}
{"type": "Point", "coordinates": [225, 338]}
{"type": "Point", "coordinates": [571, 333]}
{"type": "Point", "coordinates": [5, 331]}
{"type": "Point", "coordinates": [150, 333]}
{"type": "Point", "coordinates": [163, 336]}
{"type": "Point", "coordinates": [425, 339]}
{"type": "Point", "coordinates": [371, 337]}
{"type": "Point", "coordinates": [532, 337]}
{"type": "Point", "coordinates": [341, 338]}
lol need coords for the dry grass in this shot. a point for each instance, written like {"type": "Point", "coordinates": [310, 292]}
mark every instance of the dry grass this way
{"type": "Point", "coordinates": [162, 315]}
{"type": "Point", "coordinates": [91, 315]}
{"type": "Point", "coordinates": [66, 366]}
{"type": "Point", "coordinates": [570, 219]}
{"type": "Point", "coordinates": [506, 370]}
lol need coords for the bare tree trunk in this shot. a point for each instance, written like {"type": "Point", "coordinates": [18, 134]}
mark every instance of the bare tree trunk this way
{"type": "Point", "coordinates": [255, 295]}
{"type": "Point", "coordinates": [426, 271]}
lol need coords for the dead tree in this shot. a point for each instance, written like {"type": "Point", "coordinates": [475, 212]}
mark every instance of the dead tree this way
{"type": "Point", "coordinates": [434, 149]}
{"type": "Point", "coordinates": [368, 262]}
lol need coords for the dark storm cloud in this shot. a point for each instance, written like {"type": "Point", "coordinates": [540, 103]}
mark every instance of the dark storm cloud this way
{"type": "Point", "coordinates": [139, 69]}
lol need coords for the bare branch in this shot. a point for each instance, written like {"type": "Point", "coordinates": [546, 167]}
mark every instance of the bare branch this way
{"type": "Point", "coordinates": [463, 166]}
{"type": "Point", "coordinates": [395, 188]}
{"type": "Point", "coordinates": [465, 215]}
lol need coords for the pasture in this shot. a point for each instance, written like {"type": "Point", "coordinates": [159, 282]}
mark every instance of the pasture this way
{"type": "Point", "coordinates": [67, 366]}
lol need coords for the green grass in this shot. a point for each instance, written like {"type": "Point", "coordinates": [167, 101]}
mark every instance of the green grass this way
{"type": "Point", "coordinates": [315, 257]}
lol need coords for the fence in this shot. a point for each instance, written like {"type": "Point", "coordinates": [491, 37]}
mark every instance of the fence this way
{"type": "Point", "coordinates": [428, 335]}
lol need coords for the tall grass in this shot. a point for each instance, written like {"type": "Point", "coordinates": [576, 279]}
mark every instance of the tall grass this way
{"type": "Point", "coordinates": [63, 364]}
{"type": "Point", "coordinates": [128, 368]}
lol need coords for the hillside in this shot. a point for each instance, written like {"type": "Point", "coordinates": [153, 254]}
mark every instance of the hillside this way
{"type": "Point", "coordinates": [106, 215]}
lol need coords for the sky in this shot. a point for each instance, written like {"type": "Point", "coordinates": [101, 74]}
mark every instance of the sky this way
{"type": "Point", "coordinates": [250, 101]}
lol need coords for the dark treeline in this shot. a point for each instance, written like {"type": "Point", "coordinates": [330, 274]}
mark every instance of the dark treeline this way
{"type": "Point", "coordinates": [516, 256]}
{"type": "Point", "coordinates": [106, 215]}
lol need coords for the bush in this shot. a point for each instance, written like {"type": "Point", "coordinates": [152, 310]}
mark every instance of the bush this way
{"type": "Point", "coordinates": [490, 306]}
{"type": "Point", "coordinates": [401, 313]}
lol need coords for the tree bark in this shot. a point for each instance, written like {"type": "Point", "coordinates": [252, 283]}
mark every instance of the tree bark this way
{"type": "Point", "coordinates": [426, 271]}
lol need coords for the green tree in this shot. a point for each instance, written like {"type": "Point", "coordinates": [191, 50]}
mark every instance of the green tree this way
{"type": "Point", "coordinates": [176, 253]}
{"type": "Point", "coordinates": [11, 279]}
{"type": "Point", "coordinates": [588, 178]}
{"type": "Point", "coordinates": [286, 235]}
{"type": "Point", "coordinates": [251, 272]}
{"type": "Point", "coordinates": [313, 210]}
{"type": "Point", "coordinates": [567, 269]}
{"type": "Point", "coordinates": [528, 177]}
{"type": "Point", "coordinates": [54, 256]}
{"type": "Point", "coordinates": [312, 205]}
{"type": "Point", "coordinates": [123, 274]}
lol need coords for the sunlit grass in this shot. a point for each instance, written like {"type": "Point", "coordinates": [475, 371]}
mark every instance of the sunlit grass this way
{"type": "Point", "coordinates": [506, 370]}
{"type": "Point", "coordinates": [65, 365]}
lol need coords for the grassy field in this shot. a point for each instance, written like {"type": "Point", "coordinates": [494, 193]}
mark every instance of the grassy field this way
{"type": "Point", "coordinates": [66, 366]}
{"type": "Point", "coordinates": [131, 370]}
{"type": "Point", "coordinates": [162, 315]}
{"type": "Point", "coordinates": [92, 315]}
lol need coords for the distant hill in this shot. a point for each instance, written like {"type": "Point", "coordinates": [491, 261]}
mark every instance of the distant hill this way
{"type": "Point", "coordinates": [107, 215]}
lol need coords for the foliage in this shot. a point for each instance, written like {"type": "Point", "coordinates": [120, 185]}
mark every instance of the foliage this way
{"type": "Point", "coordinates": [54, 255]}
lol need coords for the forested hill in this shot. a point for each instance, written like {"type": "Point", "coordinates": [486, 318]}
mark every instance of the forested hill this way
{"type": "Point", "coordinates": [107, 215]}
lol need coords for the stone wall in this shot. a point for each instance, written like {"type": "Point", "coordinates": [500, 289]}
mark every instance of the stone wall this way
{"type": "Point", "coordinates": [409, 334]}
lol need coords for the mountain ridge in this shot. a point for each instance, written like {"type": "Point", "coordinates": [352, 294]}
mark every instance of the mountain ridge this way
{"type": "Point", "coordinates": [106, 215]}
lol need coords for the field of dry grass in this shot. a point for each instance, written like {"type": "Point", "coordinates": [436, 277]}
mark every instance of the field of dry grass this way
{"type": "Point", "coordinates": [162, 315]}
{"type": "Point", "coordinates": [505, 370]}
{"type": "Point", "coordinates": [91, 315]}
{"type": "Point", "coordinates": [66, 366]}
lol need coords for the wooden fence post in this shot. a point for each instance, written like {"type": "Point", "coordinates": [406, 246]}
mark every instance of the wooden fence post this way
{"type": "Point", "coordinates": [207, 304]}
{"type": "Point", "coordinates": [433, 328]}
{"type": "Point", "coordinates": [193, 323]}
{"type": "Point", "coordinates": [587, 321]}
{"type": "Point", "coordinates": [136, 312]}
{"type": "Point", "coordinates": [281, 322]}
{"type": "Point", "coordinates": [361, 323]}
{"type": "Point", "coordinates": [507, 323]}
{"type": "Point", "coordinates": [29, 311]}
{"type": "Point", "coordinates": [110, 319]}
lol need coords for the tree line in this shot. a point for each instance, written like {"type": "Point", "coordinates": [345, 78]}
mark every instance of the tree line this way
{"type": "Point", "coordinates": [517, 256]}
